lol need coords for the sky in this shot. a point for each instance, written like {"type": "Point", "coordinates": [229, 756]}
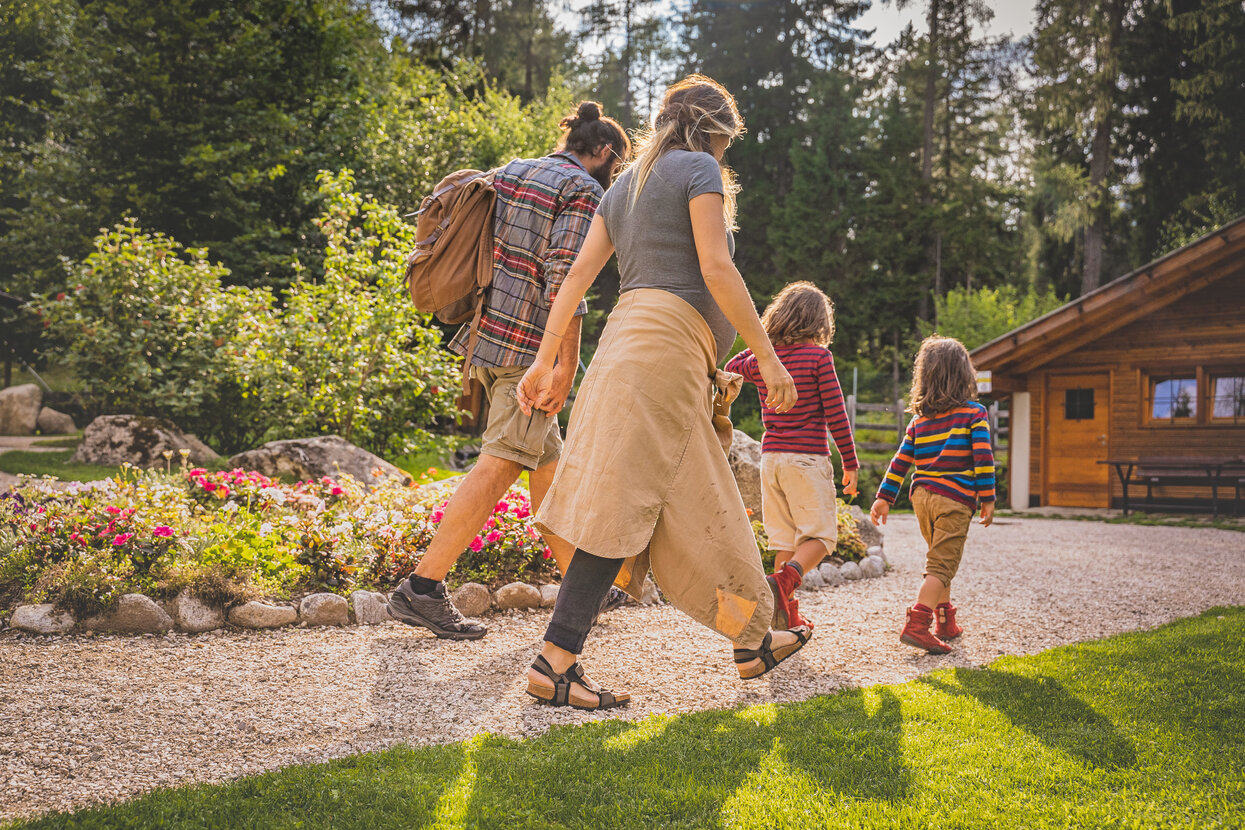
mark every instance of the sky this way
{"type": "Point", "coordinates": [1010, 16]}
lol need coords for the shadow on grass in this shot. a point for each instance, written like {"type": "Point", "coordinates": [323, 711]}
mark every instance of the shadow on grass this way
{"type": "Point", "coordinates": [1045, 709]}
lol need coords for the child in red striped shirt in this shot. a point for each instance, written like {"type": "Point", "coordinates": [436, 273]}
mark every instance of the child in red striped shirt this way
{"type": "Point", "coordinates": [797, 477]}
{"type": "Point", "coordinates": [948, 441]}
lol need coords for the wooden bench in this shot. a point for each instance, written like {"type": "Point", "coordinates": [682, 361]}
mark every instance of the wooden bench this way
{"type": "Point", "coordinates": [1181, 471]}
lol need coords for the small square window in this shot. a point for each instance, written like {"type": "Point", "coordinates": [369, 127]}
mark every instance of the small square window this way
{"type": "Point", "coordinates": [1174, 399]}
{"type": "Point", "coordinates": [1228, 398]}
{"type": "Point", "coordinates": [1078, 404]}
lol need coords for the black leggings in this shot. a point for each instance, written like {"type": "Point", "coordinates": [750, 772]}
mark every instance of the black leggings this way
{"type": "Point", "coordinates": [587, 581]}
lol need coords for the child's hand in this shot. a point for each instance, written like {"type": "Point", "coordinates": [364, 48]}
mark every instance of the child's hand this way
{"type": "Point", "coordinates": [849, 482]}
{"type": "Point", "coordinates": [987, 513]}
{"type": "Point", "coordinates": [877, 513]}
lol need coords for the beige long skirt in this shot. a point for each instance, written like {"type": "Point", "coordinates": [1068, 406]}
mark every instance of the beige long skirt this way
{"type": "Point", "coordinates": [643, 477]}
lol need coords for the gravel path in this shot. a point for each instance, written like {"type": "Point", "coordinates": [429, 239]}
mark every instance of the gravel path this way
{"type": "Point", "coordinates": [85, 720]}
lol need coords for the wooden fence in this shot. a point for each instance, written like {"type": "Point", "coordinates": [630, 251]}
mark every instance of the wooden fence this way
{"type": "Point", "coordinates": [891, 417]}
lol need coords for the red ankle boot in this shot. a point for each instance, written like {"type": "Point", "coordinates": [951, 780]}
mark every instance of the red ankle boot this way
{"type": "Point", "coordinates": [916, 632]}
{"type": "Point", "coordinates": [794, 620]}
{"type": "Point", "coordinates": [946, 629]}
{"type": "Point", "coordinates": [782, 583]}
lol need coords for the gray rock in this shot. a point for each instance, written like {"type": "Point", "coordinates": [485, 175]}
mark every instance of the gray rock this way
{"type": "Point", "coordinates": [517, 595]}
{"type": "Point", "coordinates": [548, 596]}
{"type": "Point", "coordinates": [877, 550]}
{"type": "Point", "coordinates": [649, 595]}
{"type": "Point", "coordinates": [52, 422]}
{"type": "Point", "coordinates": [370, 608]}
{"type": "Point", "coordinates": [113, 440]}
{"type": "Point", "coordinates": [472, 599]}
{"type": "Point", "coordinates": [261, 615]}
{"type": "Point", "coordinates": [872, 567]}
{"type": "Point", "coordinates": [324, 609]}
{"type": "Point", "coordinates": [195, 616]}
{"type": "Point", "coordinates": [133, 614]}
{"type": "Point", "coordinates": [19, 409]}
{"type": "Point", "coordinates": [41, 619]}
{"type": "Point", "coordinates": [830, 574]}
{"type": "Point", "coordinates": [745, 460]}
{"type": "Point", "coordinates": [868, 533]}
{"type": "Point", "coordinates": [299, 459]}
{"type": "Point", "coordinates": [813, 581]}
{"type": "Point", "coordinates": [850, 571]}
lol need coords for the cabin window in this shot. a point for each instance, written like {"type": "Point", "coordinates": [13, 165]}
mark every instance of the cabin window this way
{"type": "Point", "coordinates": [1227, 398]}
{"type": "Point", "coordinates": [1078, 404]}
{"type": "Point", "coordinates": [1173, 399]}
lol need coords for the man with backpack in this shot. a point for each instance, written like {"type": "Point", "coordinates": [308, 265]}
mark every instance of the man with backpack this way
{"type": "Point", "coordinates": [541, 217]}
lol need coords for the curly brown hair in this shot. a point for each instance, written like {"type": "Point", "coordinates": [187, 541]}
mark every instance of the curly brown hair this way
{"type": "Point", "coordinates": [801, 312]}
{"type": "Point", "coordinates": [943, 377]}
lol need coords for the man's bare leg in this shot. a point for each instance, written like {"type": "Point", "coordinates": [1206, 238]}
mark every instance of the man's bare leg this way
{"type": "Point", "coordinates": [539, 481]}
{"type": "Point", "coordinates": [465, 514]}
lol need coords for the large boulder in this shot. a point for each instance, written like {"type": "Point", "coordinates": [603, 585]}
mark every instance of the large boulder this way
{"type": "Point", "coordinates": [113, 440]}
{"type": "Point", "coordinates": [472, 599]}
{"type": "Point", "coordinates": [745, 459]}
{"type": "Point", "coordinates": [19, 409]}
{"type": "Point", "coordinates": [299, 459]}
{"type": "Point", "coordinates": [41, 619]}
{"type": "Point", "coordinates": [517, 595]}
{"type": "Point", "coordinates": [52, 422]}
{"type": "Point", "coordinates": [133, 614]}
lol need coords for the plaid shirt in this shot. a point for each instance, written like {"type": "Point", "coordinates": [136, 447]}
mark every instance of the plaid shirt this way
{"type": "Point", "coordinates": [544, 208]}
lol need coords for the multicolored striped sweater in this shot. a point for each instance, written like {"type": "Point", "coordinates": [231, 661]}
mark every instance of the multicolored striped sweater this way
{"type": "Point", "coordinates": [820, 404]}
{"type": "Point", "coordinates": [952, 454]}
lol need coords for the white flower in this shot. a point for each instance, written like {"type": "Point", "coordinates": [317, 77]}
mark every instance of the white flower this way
{"type": "Point", "coordinates": [273, 494]}
{"type": "Point", "coordinates": [265, 529]}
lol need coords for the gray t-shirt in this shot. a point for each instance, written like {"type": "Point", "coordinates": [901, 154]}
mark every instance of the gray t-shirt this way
{"type": "Point", "coordinates": [654, 239]}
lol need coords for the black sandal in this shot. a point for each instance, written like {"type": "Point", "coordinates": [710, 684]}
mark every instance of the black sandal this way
{"type": "Point", "coordinates": [769, 656]}
{"type": "Point", "coordinates": [560, 694]}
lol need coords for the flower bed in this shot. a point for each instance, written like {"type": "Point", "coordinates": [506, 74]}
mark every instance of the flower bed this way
{"type": "Point", "coordinates": [238, 535]}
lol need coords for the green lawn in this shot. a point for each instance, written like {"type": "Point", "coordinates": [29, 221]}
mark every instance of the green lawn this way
{"type": "Point", "coordinates": [57, 464]}
{"type": "Point", "coordinates": [1144, 730]}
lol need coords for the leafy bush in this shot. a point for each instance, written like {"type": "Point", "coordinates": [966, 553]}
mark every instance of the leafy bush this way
{"type": "Point", "coordinates": [977, 317]}
{"type": "Point", "coordinates": [349, 354]}
{"type": "Point", "coordinates": [850, 547]}
{"type": "Point", "coordinates": [148, 327]}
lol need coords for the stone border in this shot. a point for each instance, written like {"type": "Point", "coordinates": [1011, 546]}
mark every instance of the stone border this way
{"type": "Point", "coordinates": [140, 614]}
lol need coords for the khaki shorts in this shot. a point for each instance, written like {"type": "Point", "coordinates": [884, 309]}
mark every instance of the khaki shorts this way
{"type": "Point", "coordinates": [531, 440]}
{"type": "Point", "coordinates": [944, 524]}
{"type": "Point", "coordinates": [797, 499]}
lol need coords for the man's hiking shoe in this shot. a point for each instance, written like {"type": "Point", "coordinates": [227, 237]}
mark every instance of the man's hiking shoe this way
{"type": "Point", "coordinates": [916, 632]}
{"type": "Point", "coordinates": [434, 612]}
{"type": "Point", "coordinates": [614, 599]}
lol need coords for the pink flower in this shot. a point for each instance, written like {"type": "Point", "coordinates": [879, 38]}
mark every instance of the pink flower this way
{"type": "Point", "coordinates": [502, 507]}
{"type": "Point", "coordinates": [224, 491]}
{"type": "Point", "coordinates": [521, 512]}
{"type": "Point", "coordinates": [163, 531]}
{"type": "Point", "coordinates": [493, 537]}
{"type": "Point", "coordinates": [113, 510]}
{"type": "Point", "coordinates": [490, 523]}
{"type": "Point", "coordinates": [209, 486]}
{"type": "Point", "coordinates": [197, 472]}
{"type": "Point", "coordinates": [122, 538]}
{"type": "Point", "coordinates": [477, 544]}
{"type": "Point", "coordinates": [436, 516]}
{"type": "Point", "coordinates": [336, 491]}
{"type": "Point", "coordinates": [547, 553]}
{"type": "Point", "coordinates": [531, 531]}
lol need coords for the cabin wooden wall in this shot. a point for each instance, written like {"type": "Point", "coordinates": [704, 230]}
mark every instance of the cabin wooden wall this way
{"type": "Point", "coordinates": [1205, 328]}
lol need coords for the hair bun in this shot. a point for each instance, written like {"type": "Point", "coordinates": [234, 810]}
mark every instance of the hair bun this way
{"type": "Point", "coordinates": [589, 111]}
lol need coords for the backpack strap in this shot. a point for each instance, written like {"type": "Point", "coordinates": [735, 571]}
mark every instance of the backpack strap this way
{"type": "Point", "coordinates": [471, 342]}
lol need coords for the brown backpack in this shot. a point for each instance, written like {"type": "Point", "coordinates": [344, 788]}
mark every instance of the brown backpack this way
{"type": "Point", "coordinates": [452, 263]}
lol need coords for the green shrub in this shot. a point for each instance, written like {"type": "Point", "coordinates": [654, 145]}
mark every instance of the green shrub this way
{"type": "Point", "coordinates": [148, 326]}
{"type": "Point", "coordinates": [349, 354]}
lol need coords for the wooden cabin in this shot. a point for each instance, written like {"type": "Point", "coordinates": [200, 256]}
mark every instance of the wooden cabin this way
{"type": "Point", "coordinates": [1150, 367]}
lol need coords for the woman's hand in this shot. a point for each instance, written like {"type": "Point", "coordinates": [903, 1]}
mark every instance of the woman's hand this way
{"type": "Point", "coordinates": [536, 386]}
{"type": "Point", "coordinates": [780, 388]}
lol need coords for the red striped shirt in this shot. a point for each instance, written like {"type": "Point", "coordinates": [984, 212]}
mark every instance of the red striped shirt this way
{"type": "Point", "coordinates": [820, 405]}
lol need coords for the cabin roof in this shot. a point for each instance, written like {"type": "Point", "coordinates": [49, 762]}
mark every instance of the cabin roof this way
{"type": "Point", "coordinates": [1207, 260]}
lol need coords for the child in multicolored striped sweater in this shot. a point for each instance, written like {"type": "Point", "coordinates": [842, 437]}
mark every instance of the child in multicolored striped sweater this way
{"type": "Point", "coordinates": [798, 499]}
{"type": "Point", "coordinates": [949, 442]}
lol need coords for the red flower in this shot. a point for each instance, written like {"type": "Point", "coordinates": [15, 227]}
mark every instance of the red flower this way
{"type": "Point", "coordinates": [122, 538]}
{"type": "Point", "coordinates": [477, 544]}
{"type": "Point", "coordinates": [163, 531]}
{"type": "Point", "coordinates": [547, 553]}
{"type": "Point", "coordinates": [60, 296]}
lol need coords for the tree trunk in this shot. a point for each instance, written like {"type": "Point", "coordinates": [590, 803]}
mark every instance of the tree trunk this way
{"type": "Point", "coordinates": [628, 10]}
{"type": "Point", "coordinates": [927, 153]}
{"type": "Point", "coordinates": [1100, 149]}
